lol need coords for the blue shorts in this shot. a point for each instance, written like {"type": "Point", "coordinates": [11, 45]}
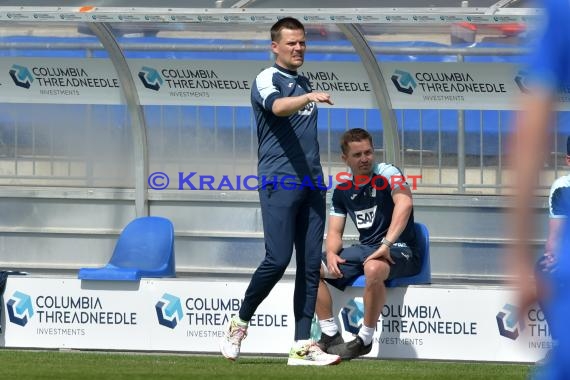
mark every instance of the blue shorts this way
{"type": "Point", "coordinates": [558, 307]}
{"type": "Point", "coordinates": [406, 263]}
{"type": "Point", "coordinates": [557, 366]}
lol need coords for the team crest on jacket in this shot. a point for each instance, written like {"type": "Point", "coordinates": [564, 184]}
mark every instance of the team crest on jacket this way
{"type": "Point", "coordinates": [307, 110]}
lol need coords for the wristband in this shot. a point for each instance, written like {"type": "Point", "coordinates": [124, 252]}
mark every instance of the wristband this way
{"type": "Point", "coordinates": [386, 242]}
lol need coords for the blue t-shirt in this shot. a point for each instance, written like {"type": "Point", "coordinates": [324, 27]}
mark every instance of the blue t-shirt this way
{"type": "Point", "coordinates": [370, 206]}
{"type": "Point", "coordinates": [288, 146]}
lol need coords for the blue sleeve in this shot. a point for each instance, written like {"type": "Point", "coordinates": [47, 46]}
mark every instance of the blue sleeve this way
{"type": "Point", "coordinates": [548, 63]}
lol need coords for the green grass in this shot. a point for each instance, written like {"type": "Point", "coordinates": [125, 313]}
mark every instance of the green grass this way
{"type": "Point", "coordinates": [95, 365]}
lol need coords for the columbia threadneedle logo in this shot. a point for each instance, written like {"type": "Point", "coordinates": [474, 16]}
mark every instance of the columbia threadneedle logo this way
{"type": "Point", "coordinates": [150, 78]}
{"type": "Point", "coordinates": [404, 82]}
{"type": "Point", "coordinates": [20, 308]}
{"type": "Point", "coordinates": [521, 81]}
{"type": "Point", "coordinates": [21, 76]}
{"type": "Point", "coordinates": [352, 315]}
{"type": "Point", "coordinates": [169, 310]}
{"type": "Point", "coordinates": [508, 322]}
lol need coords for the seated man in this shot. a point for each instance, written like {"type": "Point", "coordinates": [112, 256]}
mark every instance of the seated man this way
{"type": "Point", "coordinates": [379, 202]}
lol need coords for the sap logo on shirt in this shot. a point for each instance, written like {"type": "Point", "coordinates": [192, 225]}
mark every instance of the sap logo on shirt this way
{"type": "Point", "coordinates": [365, 218]}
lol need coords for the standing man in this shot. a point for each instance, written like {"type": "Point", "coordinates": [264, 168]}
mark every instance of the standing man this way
{"type": "Point", "coordinates": [550, 73]}
{"type": "Point", "coordinates": [379, 202]}
{"type": "Point", "coordinates": [286, 114]}
{"type": "Point", "coordinates": [558, 210]}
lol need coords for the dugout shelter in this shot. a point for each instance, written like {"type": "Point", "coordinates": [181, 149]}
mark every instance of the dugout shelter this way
{"type": "Point", "coordinates": [113, 110]}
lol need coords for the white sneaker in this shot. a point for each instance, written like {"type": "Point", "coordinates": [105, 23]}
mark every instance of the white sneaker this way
{"type": "Point", "coordinates": [231, 343]}
{"type": "Point", "coordinates": [311, 354]}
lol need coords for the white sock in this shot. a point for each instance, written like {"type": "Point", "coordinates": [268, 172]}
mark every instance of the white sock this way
{"type": "Point", "coordinates": [328, 326]}
{"type": "Point", "coordinates": [366, 334]}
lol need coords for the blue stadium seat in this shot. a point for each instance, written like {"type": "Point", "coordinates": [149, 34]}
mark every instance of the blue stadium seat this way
{"type": "Point", "coordinates": [424, 277]}
{"type": "Point", "coordinates": [144, 249]}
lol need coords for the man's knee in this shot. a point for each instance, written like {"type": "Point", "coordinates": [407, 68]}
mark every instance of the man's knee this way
{"type": "Point", "coordinates": [376, 271]}
{"type": "Point", "coordinates": [277, 264]}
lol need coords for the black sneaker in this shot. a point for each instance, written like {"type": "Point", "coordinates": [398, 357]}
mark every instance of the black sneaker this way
{"type": "Point", "coordinates": [350, 350]}
{"type": "Point", "coordinates": [328, 341]}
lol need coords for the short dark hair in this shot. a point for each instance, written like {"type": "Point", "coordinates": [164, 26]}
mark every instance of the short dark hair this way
{"type": "Point", "coordinates": [354, 134]}
{"type": "Point", "coordinates": [285, 23]}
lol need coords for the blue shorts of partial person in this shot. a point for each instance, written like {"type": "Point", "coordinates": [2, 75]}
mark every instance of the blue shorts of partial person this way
{"type": "Point", "coordinates": [406, 263]}
{"type": "Point", "coordinates": [557, 310]}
